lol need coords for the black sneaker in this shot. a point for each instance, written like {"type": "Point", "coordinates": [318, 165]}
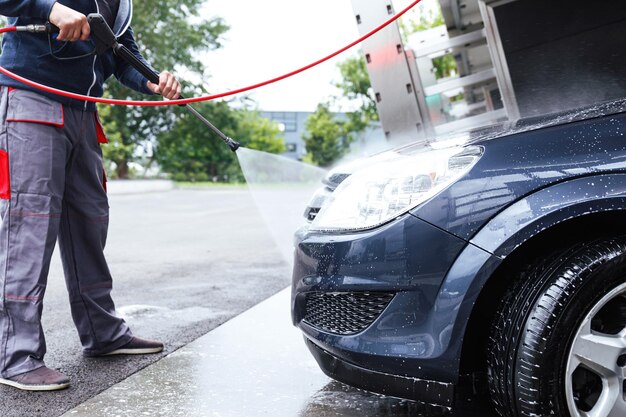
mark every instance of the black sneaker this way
{"type": "Point", "coordinates": [40, 379]}
{"type": "Point", "coordinates": [137, 346]}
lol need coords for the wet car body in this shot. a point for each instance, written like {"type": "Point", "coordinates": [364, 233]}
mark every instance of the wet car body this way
{"type": "Point", "coordinates": [402, 308]}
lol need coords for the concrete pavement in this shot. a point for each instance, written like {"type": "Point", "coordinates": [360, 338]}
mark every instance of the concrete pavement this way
{"type": "Point", "coordinates": [254, 365]}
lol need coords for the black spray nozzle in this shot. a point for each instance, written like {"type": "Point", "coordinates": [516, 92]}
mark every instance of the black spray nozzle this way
{"type": "Point", "coordinates": [232, 144]}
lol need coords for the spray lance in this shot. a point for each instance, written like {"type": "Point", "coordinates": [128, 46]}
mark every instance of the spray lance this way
{"type": "Point", "coordinates": [105, 39]}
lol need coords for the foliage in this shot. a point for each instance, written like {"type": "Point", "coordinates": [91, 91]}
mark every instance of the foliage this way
{"type": "Point", "coordinates": [356, 86]}
{"type": "Point", "coordinates": [115, 150]}
{"type": "Point", "coordinates": [327, 139]}
{"type": "Point", "coordinates": [259, 133]}
{"type": "Point", "coordinates": [170, 34]}
{"type": "Point", "coordinates": [191, 152]}
{"type": "Point", "coordinates": [429, 17]}
{"type": "Point", "coordinates": [444, 66]}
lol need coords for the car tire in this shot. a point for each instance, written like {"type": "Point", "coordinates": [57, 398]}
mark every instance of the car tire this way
{"type": "Point", "coordinates": [557, 346]}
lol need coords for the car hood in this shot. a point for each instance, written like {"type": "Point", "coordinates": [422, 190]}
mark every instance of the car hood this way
{"type": "Point", "coordinates": [474, 136]}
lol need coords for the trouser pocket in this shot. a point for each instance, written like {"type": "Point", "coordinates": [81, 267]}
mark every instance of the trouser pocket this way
{"type": "Point", "coordinates": [29, 107]}
{"type": "Point", "coordinates": [5, 179]}
{"type": "Point", "coordinates": [37, 144]}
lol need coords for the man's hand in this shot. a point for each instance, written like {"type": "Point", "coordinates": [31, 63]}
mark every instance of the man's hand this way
{"type": "Point", "coordinates": [72, 25]}
{"type": "Point", "coordinates": [168, 86]}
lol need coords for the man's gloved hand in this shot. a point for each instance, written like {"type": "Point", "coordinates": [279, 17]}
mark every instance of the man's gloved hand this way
{"type": "Point", "coordinates": [168, 86]}
{"type": "Point", "coordinates": [72, 25]}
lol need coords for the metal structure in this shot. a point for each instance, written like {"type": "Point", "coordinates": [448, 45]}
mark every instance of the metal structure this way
{"type": "Point", "coordinates": [412, 103]}
{"type": "Point", "coordinates": [509, 62]}
{"type": "Point", "coordinates": [499, 59]}
{"type": "Point", "coordinates": [474, 82]}
{"type": "Point", "coordinates": [556, 55]}
{"type": "Point", "coordinates": [397, 89]}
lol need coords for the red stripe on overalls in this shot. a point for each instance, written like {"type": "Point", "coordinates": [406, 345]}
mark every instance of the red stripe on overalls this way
{"type": "Point", "coordinates": [5, 177]}
{"type": "Point", "coordinates": [102, 137]}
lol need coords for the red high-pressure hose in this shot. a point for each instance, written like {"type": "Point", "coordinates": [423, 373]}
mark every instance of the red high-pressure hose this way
{"type": "Point", "coordinates": [201, 98]}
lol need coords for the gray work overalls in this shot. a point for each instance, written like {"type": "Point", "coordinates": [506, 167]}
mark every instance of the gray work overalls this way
{"type": "Point", "coordinates": [52, 186]}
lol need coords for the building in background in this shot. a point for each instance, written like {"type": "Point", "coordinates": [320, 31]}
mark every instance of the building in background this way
{"type": "Point", "coordinates": [292, 124]}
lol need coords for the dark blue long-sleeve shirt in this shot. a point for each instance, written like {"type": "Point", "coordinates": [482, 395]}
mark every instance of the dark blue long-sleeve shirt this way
{"type": "Point", "coordinates": [44, 60]}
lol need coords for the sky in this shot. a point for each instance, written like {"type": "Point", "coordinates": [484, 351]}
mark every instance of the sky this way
{"type": "Point", "coordinates": [271, 37]}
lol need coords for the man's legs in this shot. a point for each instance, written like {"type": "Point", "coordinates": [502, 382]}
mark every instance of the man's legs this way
{"type": "Point", "coordinates": [82, 237]}
{"type": "Point", "coordinates": [37, 153]}
{"type": "Point", "coordinates": [54, 165]}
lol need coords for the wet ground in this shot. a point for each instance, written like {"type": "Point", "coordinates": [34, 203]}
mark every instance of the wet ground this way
{"type": "Point", "coordinates": [254, 365]}
{"type": "Point", "coordinates": [183, 262]}
{"type": "Point", "coordinates": [186, 265]}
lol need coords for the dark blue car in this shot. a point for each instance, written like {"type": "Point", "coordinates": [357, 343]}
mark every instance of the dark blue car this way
{"type": "Point", "coordinates": [496, 257]}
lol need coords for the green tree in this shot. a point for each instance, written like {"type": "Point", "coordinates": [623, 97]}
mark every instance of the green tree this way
{"type": "Point", "coordinates": [327, 139]}
{"type": "Point", "coordinates": [444, 66]}
{"type": "Point", "coordinates": [170, 35]}
{"type": "Point", "coordinates": [191, 152]}
{"type": "Point", "coordinates": [356, 86]}
{"type": "Point", "coordinates": [259, 133]}
{"type": "Point", "coordinates": [428, 16]}
{"type": "Point", "coordinates": [115, 150]}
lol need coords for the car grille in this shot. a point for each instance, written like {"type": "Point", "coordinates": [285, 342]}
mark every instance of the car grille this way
{"type": "Point", "coordinates": [344, 313]}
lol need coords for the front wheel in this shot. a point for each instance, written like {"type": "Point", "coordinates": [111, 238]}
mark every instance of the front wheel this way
{"type": "Point", "coordinates": [558, 346]}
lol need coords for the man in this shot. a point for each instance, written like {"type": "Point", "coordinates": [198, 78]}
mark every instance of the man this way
{"type": "Point", "coordinates": [52, 184]}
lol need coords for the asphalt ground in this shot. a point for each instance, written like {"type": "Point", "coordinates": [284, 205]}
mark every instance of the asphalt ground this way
{"type": "Point", "coordinates": [183, 262]}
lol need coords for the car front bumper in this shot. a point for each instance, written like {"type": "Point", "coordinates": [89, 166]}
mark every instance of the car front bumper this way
{"type": "Point", "coordinates": [424, 391]}
{"type": "Point", "coordinates": [366, 304]}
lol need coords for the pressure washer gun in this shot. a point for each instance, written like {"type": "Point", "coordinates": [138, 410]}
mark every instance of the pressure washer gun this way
{"type": "Point", "coordinates": [105, 39]}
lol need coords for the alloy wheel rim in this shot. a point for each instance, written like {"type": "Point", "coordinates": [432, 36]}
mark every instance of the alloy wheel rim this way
{"type": "Point", "coordinates": [596, 367]}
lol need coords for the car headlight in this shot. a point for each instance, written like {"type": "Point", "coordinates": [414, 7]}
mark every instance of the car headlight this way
{"type": "Point", "coordinates": [380, 193]}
